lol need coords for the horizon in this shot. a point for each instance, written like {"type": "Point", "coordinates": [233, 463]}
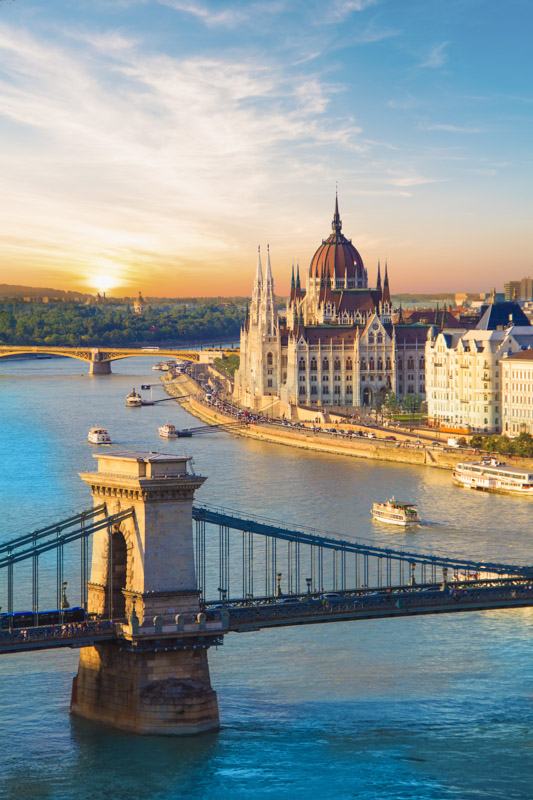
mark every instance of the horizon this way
{"type": "Point", "coordinates": [152, 145]}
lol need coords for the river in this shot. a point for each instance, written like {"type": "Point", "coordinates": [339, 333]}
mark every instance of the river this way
{"type": "Point", "coordinates": [430, 708]}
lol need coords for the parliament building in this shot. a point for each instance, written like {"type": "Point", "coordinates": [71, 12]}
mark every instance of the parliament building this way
{"type": "Point", "coordinates": [338, 344]}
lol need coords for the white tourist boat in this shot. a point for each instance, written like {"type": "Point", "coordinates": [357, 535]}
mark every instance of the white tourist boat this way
{"type": "Point", "coordinates": [158, 366]}
{"type": "Point", "coordinates": [491, 475]}
{"type": "Point", "coordinates": [168, 431]}
{"type": "Point", "coordinates": [99, 436]}
{"type": "Point", "coordinates": [133, 399]}
{"type": "Point", "coordinates": [396, 513]}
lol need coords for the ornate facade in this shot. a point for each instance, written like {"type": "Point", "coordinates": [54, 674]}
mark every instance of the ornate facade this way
{"type": "Point", "coordinates": [337, 344]}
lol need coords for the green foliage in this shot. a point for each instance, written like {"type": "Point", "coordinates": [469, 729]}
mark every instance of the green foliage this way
{"type": "Point", "coordinates": [228, 365]}
{"type": "Point", "coordinates": [72, 324]}
{"type": "Point", "coordinates": [391, 403]}
{"type": "Point", "coordinates": [522, 446]}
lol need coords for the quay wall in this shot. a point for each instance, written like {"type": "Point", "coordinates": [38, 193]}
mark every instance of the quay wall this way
{"type": "Point", "coordinates": [355, 448]}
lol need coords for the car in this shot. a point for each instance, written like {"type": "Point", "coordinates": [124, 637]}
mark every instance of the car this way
{"type": "Point", "coordinates": [330, 596]}
{"type": "Point", "coordinates": [357, 433]}
{"type": "Point", "coordinates": [417, 441]}
{"type": "Point", "coordinates": [289, 600]}
{"type": "Point", "coordinates": [371, 435]}
{"type": "Point", "coordinates": [436, 444]}
{"type": "Point", "coordinates": [390, 438]}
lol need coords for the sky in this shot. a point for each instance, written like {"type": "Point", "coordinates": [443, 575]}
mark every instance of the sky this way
{"type": "Point", "coordinates": [153, 145]}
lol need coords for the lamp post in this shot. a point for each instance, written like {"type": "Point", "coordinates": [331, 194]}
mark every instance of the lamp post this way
{"type": "Point", "coordinates": [279, 593]}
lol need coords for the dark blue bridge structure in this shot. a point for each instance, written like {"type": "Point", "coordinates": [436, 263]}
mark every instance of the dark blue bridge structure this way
{"type": "Point", "coordinates": [252, 573]}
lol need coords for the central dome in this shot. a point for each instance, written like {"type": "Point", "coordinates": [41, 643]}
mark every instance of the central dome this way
{"type": "Point", "coordinates": [338, 259]}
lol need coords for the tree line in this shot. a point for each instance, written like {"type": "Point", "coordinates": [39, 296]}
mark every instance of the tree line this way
{"type": "Point", "coordinates": [71, 325]}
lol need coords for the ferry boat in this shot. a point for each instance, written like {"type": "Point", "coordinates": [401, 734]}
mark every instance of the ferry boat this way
{"type": "Point", "coordinates": [133, 399]}
{"type": "Point", "coordinates": [168, 431]}
{"type": "Point", "coordinates": [491, 475]}
{"type": "Point", "coordinates": [99, 436]}
{"type": "Point", "coordinates": [396, 513]}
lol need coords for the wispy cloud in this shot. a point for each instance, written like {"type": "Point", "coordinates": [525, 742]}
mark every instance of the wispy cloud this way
{"type": "Point", "coordinates": [439, 126]}
{"type": "Point", "coordinates": [436, 57]}
{"type": "Point", "coordinates": [228, 17]}
{"type": "Point", "coordinates": [140, 149]}
{"type": "Point", "coordinates": [340, 9]}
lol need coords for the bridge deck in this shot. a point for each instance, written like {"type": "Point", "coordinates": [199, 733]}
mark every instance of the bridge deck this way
{"type": "Point", "coordinates": [274, 613]}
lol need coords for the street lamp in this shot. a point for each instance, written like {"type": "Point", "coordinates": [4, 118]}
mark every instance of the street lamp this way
{"type": "Point", "coordinates": [279, 593]}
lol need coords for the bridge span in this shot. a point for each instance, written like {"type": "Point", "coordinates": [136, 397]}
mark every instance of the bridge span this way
{"type": "Point", "coordinates": [168, 580]}
{"type": "Point", "coordinates": [100, 358]}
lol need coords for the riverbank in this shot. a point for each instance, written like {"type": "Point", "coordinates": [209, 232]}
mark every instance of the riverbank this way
{"type": "Point", "coordinates": [186, 388]}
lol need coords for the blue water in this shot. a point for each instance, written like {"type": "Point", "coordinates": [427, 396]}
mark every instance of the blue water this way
{"type": "Point", "coordinates": [430, 708]}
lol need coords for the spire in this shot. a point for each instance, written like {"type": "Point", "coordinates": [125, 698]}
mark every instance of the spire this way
{"type": "Point", "coordinates": [400, 315]}
{"type": "Point", "coordinates": [297, 276]}
{"type": "Point", "coordinates": [292, 277]}
{"type": "Point", "coordinates": [259, 271]}
{"type": "Point", "coordinates": [336, 225]}
{"type": "Point", "coordinates": [268, 273]}
{"type": "Point", "coordinates": [378, 285]}
{"type": "Point", "coordinates": [386, 292]}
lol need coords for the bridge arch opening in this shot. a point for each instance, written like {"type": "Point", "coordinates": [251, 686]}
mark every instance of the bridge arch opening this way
{"type": "Point", "coordinates": [119, 575]}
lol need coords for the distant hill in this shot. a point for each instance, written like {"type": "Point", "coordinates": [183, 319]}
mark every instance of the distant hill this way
{"type": "Point", "coordinates": [12, 290]}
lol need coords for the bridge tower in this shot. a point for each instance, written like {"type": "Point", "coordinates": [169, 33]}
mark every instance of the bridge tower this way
{"type": "Point", "coordinates": [143, 572]}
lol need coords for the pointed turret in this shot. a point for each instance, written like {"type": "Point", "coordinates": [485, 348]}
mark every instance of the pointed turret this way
{"type": "Point", "coordinates": [385, 297]}
{"type": "Point", "coordinates": [257, 290]}
{"type": "Point", "coordinates": [336, 225]}
{"type": "Point", "coordinates": [268, 307]}
{"type": "Point", "coordinates": [378, 284]}
{"type": "Point", "coordinates": [298, 276]}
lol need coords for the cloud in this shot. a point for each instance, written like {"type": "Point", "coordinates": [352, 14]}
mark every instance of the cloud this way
{"type": "Point", "coordinates": [123, 156]}
{"type": "Point", "coordinates": [436, 56]}
{"type": "Point", "coordinates": [340, 9]}
{"type": "Point", "coordinates": [228, 17]}
{"type": "Point", "coordinates": [449, 128]}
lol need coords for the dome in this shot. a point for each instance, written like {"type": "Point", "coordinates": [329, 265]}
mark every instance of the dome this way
{"type": "Point", "coordinates": [337, 258]}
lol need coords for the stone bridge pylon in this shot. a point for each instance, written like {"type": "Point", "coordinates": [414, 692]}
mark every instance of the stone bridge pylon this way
{"type": "Point", "coordinates": [143, 572]}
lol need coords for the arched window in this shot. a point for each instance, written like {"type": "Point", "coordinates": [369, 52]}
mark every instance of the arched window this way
{"type": "Point", "coordinates": [389, 367]}
{"type": "Point", "coordinates": [363, 363]}
{"type": "Point", "coordinates": [410, 363]}
{"type": "Point", "coordinates": [270, 382]}
{"type": "Point", "coordinates": [379, 338]}
{"type": "Point", "coordinates": [270, 359]}
{"type": "Point", "coordinates": [400, 363]}
{"type": "Point", "coordinates": [349, 363]}
{"type": "Point", "coordinates": [337, 364]}
{"type": "Point", "coordinates": [313, 364]}
{"type": "Point", "coordinates": [370, 338]}
{"type": "Point", "coordinates": [422, 362]}
{"type": "Point", "coordinates": [380, 364]}
{"type": "Point", "coordinates": [371, 364]}
{"type": "Point", "coordinates": [301, 364]}
{"type": "Point", "coordinates": [325, 364]}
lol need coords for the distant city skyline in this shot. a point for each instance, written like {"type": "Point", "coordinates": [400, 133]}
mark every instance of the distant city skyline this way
{"type": "Point", "coordinates": [153, 144]}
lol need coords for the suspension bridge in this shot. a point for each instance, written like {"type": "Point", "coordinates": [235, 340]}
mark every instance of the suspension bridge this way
{"type": "Point", "coordinates": [147, 574]}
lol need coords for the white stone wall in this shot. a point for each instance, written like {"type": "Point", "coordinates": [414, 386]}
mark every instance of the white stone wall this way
{"type": "Point", "coordinates": [517, 396]}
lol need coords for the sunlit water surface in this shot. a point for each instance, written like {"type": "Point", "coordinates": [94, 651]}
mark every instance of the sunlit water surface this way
{"type": "Point", "coordinates": [436, 708]}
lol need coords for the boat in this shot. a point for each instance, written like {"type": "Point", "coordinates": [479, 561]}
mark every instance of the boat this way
{"type": "Point", "coordinates": [491, 475]}
{"type": "Point", "coordinates": [396, 513]}
{"type": "Point", "coordinates": [168, 431]}
{"type": "Point", "coordinates": [158, 366]}
{"type": "Point", "coordinates": [133, 399]}
{"type": "Point", "coordinates": [99, 436]}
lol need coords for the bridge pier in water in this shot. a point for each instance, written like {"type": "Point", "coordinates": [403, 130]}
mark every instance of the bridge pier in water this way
{"type": "Point", "coordinates": [97, 366]}
{"type": "Point", "coordinates": [143, 572]}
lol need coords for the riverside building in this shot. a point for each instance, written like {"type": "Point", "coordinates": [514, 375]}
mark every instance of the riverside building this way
{"type": "Point", "coordinates": [517, 393]}
{"type": "Point", "coordinates": [464, 369]}
{"type": "Point", "coordinates": [336, 346]}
